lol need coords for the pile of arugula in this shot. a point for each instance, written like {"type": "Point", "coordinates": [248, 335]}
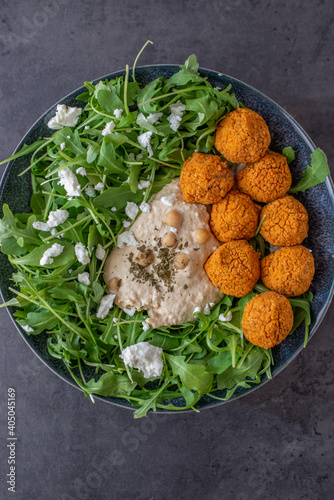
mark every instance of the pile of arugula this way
{"type": "Point", "coordinates": [199, 358]}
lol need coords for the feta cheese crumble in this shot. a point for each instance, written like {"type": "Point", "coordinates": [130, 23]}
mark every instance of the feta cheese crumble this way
{"type": "Point", "coordinates": [87, 127]}
{"type": "Point", "coordinates": [70, 182]}
{"type": "Point", "coordinates": [57, 217]}
{"type": "Point", "coordinates": [129, 312]}
{"type": "Point", "coordinates": [65, 116]}
{"type": "Point", "coordinates": [145, 358]}
{"type": "Point", "coordinates": [99, 186]}
{"type": "Point", "coordinates": [176, 112]}
{"type": "Point", "coordinates": [113, 209]}
{"type": "Point", "coordinates": [126, 223]}
{"type": "Point", "coordinates": [126, 238]}
{"type": "Point", "coordinates": [143, 184]}
{"type": "Point", "coordinates": [168, 200]}
{"type": "Point", "coordinates": [108, 128]}
{"type": "Point", "coordinates": [62, 146]}
{"type": "Point", "coordinates": [131, 210]}
{"type": "Point", "coordinates": [89, 190]}
{"type": "Point", "coordinates": [81, 253]}
{"type": "Point", "coordinates": [146, 326]}
{"type": "Point", "coordinates": [152, 118]}
{"type": "Point", "coordinates": [100, 252]}
{"type": "Point", "coordinates": [106, 304]}
{"type": "Point", "coordinates": [54, 251]}
{"type": "Point", "coordinates": [145, 207]}
{"type": "Point", "coordinates": [197, 310]}
{"type": "Point", "coordinates": [27, 328]}
{"type": "Point", "coordinates": [144, 140]}
{"type": "Point", "coordinates": [81, 171]}
{"type": "Point", "coordinates": [118, 112]}
{"type": "Point", "coordinates": [84, 278]}
{"type": "Point", "coordinates": [227, 317]}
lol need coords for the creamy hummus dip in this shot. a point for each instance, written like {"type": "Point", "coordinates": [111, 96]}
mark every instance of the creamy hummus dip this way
{"type": "Point", "coordinates": [158, 265]}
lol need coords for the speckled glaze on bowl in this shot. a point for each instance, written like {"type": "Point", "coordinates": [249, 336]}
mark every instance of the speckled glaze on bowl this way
{"type": "Point", "coordinates": [319, 202]}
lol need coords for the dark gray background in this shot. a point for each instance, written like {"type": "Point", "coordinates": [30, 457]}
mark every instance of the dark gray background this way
{"type": "Point", "coordinates": [277, 442]}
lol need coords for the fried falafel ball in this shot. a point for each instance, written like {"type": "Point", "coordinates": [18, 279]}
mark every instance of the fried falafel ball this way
{"type": "Point", "coordinates": [288, 271]}
{"type": "Point", "coordinates": [234, 268]}
{"type": "Point", "coordinates": [266, 179]}
{"type": "Point", "coordinates": [235, 217]}
{"type": "Point", "coordinates": [267, 319]}
{"type": "Point", "coordinates": [205, 179]}
{"type": "Point", "coordinates": [242, 136]}
{"type": "Point", "coordinates": [285, 223]}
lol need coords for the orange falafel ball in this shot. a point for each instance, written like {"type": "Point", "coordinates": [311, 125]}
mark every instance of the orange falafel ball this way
{"type": "Point", "coordinates": [235, 217]}
{"type": "Point", "coordinates": [288, 271]}
{"type": "Point", "coordinates": [234, 268]}
{"type": "Point", "coordinates": [242, 136]}
{"type": "Point", "coordinates": [285, 223]}
{"type": "Point", "coordinates": [205, 179]}
{"type": "Point", "coordinates": [267, 179]}
{"type": "Point", "coordinates": [267, 319]}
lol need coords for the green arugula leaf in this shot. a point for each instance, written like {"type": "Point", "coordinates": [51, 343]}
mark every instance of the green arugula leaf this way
{"type": "Point", "coordinates": [117, 197]}
{"type": "Point", "coordinates": [314, 174]}
{"type": "Point", "coordinates": [289, 154]}
{"type": "Point", "coordinates": [193, 377]}
{"type": "Point", "coordinates": [33, 258]}
{"type": "Point", "coordinates": [10, 227]}
{"type": "Point", "coordinates": [249, 368]}
{"type": "Point", "coordinates": [71, 139]}
{"type": "Point", "coordinates": [110, 384]}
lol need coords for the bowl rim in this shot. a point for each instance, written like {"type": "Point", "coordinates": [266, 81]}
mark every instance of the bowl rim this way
{"type": "Point", "coordinates": [329, 184]}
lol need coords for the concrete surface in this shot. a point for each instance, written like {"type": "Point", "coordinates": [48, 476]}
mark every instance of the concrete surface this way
{"type": "Point", "coordinates": [276, 443]}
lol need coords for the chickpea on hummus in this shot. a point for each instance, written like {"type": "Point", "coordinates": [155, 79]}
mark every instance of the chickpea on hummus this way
{"type": "Point", "coordinates": [161, 269]}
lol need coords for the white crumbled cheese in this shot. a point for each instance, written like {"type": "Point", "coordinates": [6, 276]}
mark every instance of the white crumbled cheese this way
{"type": "Point", "coordinates": [207, 310]}
{"type": "Point", "coordinates": [173, 230]}
{"type": "Point", "coordinates": [70, 271]}
{"type": "Point", "coordinates": [106, 304]}
{"type": "Point", "coordinates": [168, 200]}
{"type": "Point", "coordinates": [227, 317]}
{"type": "Point", "coordinates": [27, 328]}
{"type": "Point", "coordinates": [144, 140]}
{"type": "Point", "coordinates": [87, 127]}
{"type": "Point", "coordinates": [113, 209]}
{"type": "Point", "coordinates": [126, 238]}
{"type": "Point", "coordinates": [197, 309]}
{"type": "Point", "coordinates": [143, 184]}
{"type": "Point", "coordinates": [89, 190]}
{"type": "Point", "coordinates": [145, 358]}
{"type": "Point", "coordinates": [65, 116]}
{"type": "Point", "coordinates": [41, 226]}
{"type": "Point", "coordinates": [126, 223]}
{"type": "Point", "coordinates": [53, 251]}
{"type": "Point", "coordinates": [100, 252]}
{"type": "Point", "coordinates": [57, 217]}
{"type": "Point", "coordinates": [131, 210]}
{"type": "Point", "coordinates": [176, 112]}
{"type": "Point", "coordinates": [146, 326]}
{"type": "Point", "coordinates": [62, 146]}
{"type": "Point", "coordinates": [115, 321]}
{"type": "Point", "coordinates": [53, 231]}
{"type": "Point", "coordinates": [68, 137]}
{"type": "Point", "coordinates": [70, 182]}
{"type": "Point", "coordinates": [81, 171]}
{"type": "Point", "coordinates": [81, 253]}
{"type": "Point", "coordinates": [108, 128]}
{"type": "Point", "coordinates": [84, 278]}
{"type": "Point", "coordinates": [145, 207]}
{"type": "Point", "coordinates": [152, 118]}
{"type": "Point", "coordinates": [129, 312]}
{"type": "Point", "coordinates": [99, 186]}
{"type": "Point", "coordinates": [118, 113]}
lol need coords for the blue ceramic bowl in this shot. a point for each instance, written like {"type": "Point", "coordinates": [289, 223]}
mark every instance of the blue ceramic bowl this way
{"type": "Point", "coordinates": [319, 202]}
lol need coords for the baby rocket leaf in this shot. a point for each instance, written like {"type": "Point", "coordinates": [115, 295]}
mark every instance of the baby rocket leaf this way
{"type": "Point", "coordinates": [314, 174]}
